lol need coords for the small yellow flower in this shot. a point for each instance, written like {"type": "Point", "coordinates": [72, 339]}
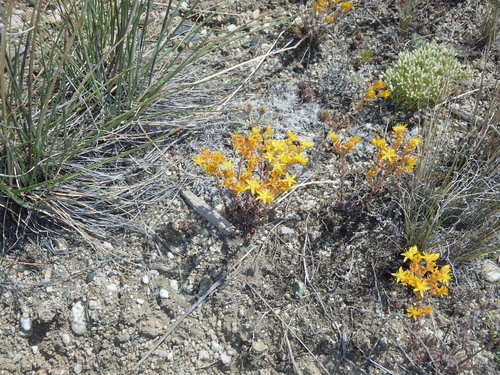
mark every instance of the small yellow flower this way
{"type": "Point", "coordinates": [371, 93]}
{"type": "Point", "coordinates": [346, 5]}
{"type": "Point", "coordinates": [401, 275]}
{"type": "Point", "coordinates": [415, 312]}
{"type": "Point", "coordinates": [301, 159]}
{"type": "Point", "coordinates": [330, 18]}
{"type": "Point", "coordinates": [421, 286]}
{"type": "Point", "coordinates": [430, 257]}
{"type": "Point", "coordinates": [379, 142]}
{"type": "Point", "coordinates": [413, 142]}
{"type": "Point", "coordinates": [379, 85]}
{"type": "Point", "coordinates": [306, 144]}
{"type": "Point", "coordinates": [388, 153]}
{"type": "Point", "coordinates": [410, 253]}
{"type": "Point", "coordinates": [289, 180]}
{"type": "Point", "coordinates": [253, 185]}
{"type": "Point", "coordinates": [372, 171]}
{"type": "Point", "coordinates": [399, 129]}
{"type": "Point", "coordinates": [442, 291]}
{"type": "Point", "coordinates": [265, 196]}
{"type": "Point", "coordinates": [384, 94]}
{"type": "Point", "coordinates": [334, 137]}
{"type": "Point", "coordinates": [351, 142]}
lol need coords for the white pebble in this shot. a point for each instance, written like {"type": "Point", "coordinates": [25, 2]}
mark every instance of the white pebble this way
{"type": "Point", "coordinates": [139, 301]}
{"type": "Point", "coordinates": [164, 293]}
{"type": "Point", "coordinates": [231, 28]}
{"type": "Point", "coordinates": [112, 288]}
{"type": "Point", "coordinates": [225, 358]}
{"type": "Point", "coordinates": [77, 318]}
{"type": "Point", "coordinates": [145, 279]}
{"type": "Point", "coordinates": [26, 323]}
{"type": "Point", "coordinates": [174, 284]}
{"type": "Point", "coordinates": [491, 272]}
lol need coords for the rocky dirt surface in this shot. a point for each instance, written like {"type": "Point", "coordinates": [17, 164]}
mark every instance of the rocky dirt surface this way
{"type": "Point", "coordinates": [309, 292]}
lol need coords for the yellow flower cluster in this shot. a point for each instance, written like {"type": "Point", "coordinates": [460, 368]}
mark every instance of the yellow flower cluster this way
{"type": "Point", "coordinates": [322, 6]}
{"type": "Point", "coordinates": [343, 148]}
{"type": "Point", "coordinates": [263, 172]}
{"type": "Point", "coordinates": [423, 275]}
{"type": "Point", "coordinates": [397, 157]}
{"type": "Point", "coordinates": [378, 90]}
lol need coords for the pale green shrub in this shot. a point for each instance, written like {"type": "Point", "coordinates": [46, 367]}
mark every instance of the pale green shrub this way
{"type": "Point", "coordinates": [426, 75]}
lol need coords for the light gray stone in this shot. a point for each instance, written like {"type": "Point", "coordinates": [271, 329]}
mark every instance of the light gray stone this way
{"type": "Point", "coordinates": [77, 318]}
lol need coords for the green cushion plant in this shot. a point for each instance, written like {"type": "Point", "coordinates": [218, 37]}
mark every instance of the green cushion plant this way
{"type": "Point", "coordinates": [426, 75]}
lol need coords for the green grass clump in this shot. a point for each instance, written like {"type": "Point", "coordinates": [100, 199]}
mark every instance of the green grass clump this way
{"type": "Point", "coordinates": [76, 80]}
{"type": "Point", "coordinates": [424, 76]}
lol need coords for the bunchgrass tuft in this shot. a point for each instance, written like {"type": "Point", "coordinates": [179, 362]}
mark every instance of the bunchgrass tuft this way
{"type": "Point", "coordinates": [77, 82]}
{"type": "Point", "coordinates": [452, 202]}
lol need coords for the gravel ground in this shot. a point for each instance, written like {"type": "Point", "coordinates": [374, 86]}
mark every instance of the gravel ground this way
{"type": "Point", "coordinates": [310, 292]}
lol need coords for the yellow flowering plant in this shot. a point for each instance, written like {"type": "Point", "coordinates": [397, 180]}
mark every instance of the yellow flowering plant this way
{"type": "Point", "coordinates": [425, 277]}
{"type": "Point", "coordinates": [343, 148]}
{"type": "Point", "coordinates": [328, 10]}
{"type": "Point", "coordinates": [378, 89]}
{"type": "Point", "coordinates": [394, 158]}
{"type": "Point", "coordinates": [262, 173]}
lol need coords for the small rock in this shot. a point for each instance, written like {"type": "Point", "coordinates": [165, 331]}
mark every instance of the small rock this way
{"type": "Point", "coordinates": [231, 28]}
{"type": "Point", "coordinates": [286, 230]}
{"type": "Point", "coordinates": [93, 304]}
{"type": "Point", "coordinates": [259, 346]}
{"type": "Point", "coordinates": [216, 348]}
{"type": "Point", "coordinates": [26, 324]}
{"type": "Point", "coordinates": [491, 272]}
{"type": "Point", "coordinates": [139, 301]}
{"type": "Point", "coordinates": [78, 368]}
{"type": "Point", "coordinates": [151, 327]}
{"type": "Point", "coordinates": [66, 339]}
{"type": "Point", "coordinates": [203, 355]}
{"type": "Point", "coordinates": [60, 244]}
{"type": "Point", "coordinates": [153, 274]}
{"type": "Point", "coordinates": [112, 288]}
{"type": "Point", "coordinates": [299, 289]}
{"type": "Point", "coordinates": [90, 277]}
{"type": "Point", "coordinates": [256, 13]}
{"type": "Point", "coordinates": [34, 349]}
{"type": "Point", "coordinates": [225, 358]}
{"type": "Point", "coordinates": [123, 337]}
{"type": "Point", "coordinates": [163, 293]}
{"type": "Point", "coordinates": [45, 313]}
{"type": "Point", "coordinates": [77, 318]}
{"type": "Point", "coordinates": [145, 279]}
{"type": "Point", "coordinates": [163, 354]}
{"type": "Point", "coordinates": [174, 285]}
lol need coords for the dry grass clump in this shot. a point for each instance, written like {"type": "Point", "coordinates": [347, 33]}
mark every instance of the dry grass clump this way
{"type": "Point", "coordinates": [71, 93]}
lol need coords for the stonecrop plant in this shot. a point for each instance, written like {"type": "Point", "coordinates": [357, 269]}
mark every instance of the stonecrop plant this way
{"type": "Point", "coordinates": [393, 159]}
{"type": "Point", "coordinates": [328, 10]}
{"type": "Point", "coordinates": [261, 174]}
{"type": "Point", "coordinates": [426, 75]}
{"type": "Point", "coordinates": [425, 277]}
{"type": "Point", "coordinates": [376, 90]}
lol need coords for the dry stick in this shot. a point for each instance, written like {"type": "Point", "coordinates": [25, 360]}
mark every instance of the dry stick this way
{"type": "Point", "coordinates": [290, 352]}
{"type": "Point", "coordinates": [284, 324]}
{"type": "Point", "coordinates": [262, 59]}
